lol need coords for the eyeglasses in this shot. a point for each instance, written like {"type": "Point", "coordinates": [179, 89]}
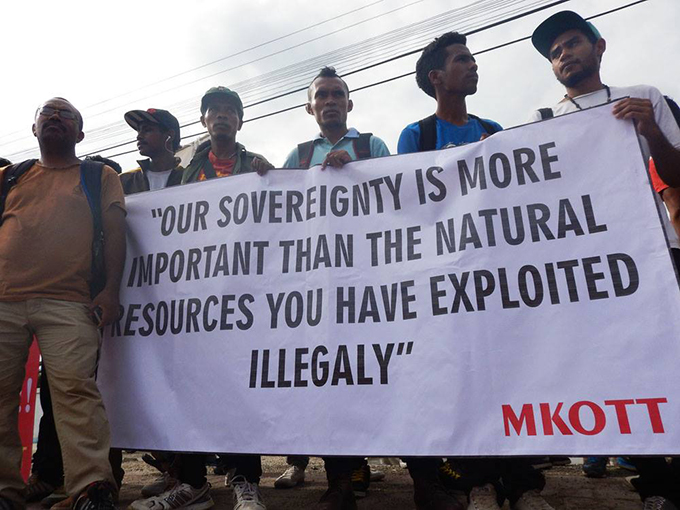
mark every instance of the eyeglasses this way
{"type": "Point", "coordinates": [48, 111]}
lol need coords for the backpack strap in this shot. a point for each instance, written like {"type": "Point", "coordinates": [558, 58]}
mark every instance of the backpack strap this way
{"type": "Point", "coordinates": [546, 113]}
{"type": "Point", "coordinates": [428, 133]}
{"type": "Point", "coordinates": [486, 126]}
{"type": "Point", "coordinates": [91, 183]}
{"type": "Point", "coordinates": [305, 153]}
{"type": "Point", "coordinates": [10, 176]}
{"type": "Point", "coordinates": [362, 145]}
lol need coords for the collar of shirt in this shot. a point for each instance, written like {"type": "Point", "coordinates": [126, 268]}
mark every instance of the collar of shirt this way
{"type": "Point", "coordinates": [351, 133]}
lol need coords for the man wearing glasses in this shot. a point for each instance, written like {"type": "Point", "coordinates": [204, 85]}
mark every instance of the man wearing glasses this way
{"type": "Point", "coordinates": [46, 238]}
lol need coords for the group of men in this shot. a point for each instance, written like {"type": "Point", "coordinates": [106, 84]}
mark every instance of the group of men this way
{"type": "Point", "coordinates": [54, 243]}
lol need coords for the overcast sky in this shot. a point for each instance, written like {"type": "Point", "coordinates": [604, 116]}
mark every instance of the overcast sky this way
{"type": "Point", "coordinates": [99, 55]}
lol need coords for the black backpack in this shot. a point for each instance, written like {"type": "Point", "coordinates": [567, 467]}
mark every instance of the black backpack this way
{"type": "Point", "coordinates": [362, 148]}
{"type": "Point", "coordinates": [428, 131]}
{"type": "Point", "coordinates": [91, 183]}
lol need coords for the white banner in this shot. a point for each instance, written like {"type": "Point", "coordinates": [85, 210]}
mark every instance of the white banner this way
{"type": "Point", "coordinates": [513, 296]}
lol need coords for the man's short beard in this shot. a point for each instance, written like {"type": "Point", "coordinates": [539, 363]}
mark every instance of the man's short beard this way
{"type": "Point", "coordinates": [576, 78]}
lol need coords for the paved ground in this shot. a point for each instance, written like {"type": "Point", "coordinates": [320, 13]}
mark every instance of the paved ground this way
{"type": "Point", "coordinates": [566, 488]}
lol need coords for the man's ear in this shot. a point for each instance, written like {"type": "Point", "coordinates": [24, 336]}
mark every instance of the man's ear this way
{"type": "Point", "coordinates": [203, 121]}
{"type": "Point", "coordinates": [35, 133]}
{"type": "Point", "coordinates": [600, 47]}
{"type": "Point", "coordinates": [350, 105]}
{"type": "Point", "coordinates": [240, 125]}
{"type": "Point", "coordinates": [433, 76]}
{"type": "Point", "coordinates": [308, 109]}
{"type": "Point", "coordinates": [81, 135]}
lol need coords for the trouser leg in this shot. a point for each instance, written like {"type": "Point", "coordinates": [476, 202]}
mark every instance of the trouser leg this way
{"type": "Point", "coordinates": [657, 478]}
{"type": "Point", "coordinates": [47, 462]}
{"type": "Point", "coordinates": [519, 476]}
{"type": "Point", "coordinates": [478, 471]}
{"type": "Point", "coordinates": [342, 465]}
{"type": "Point", "coordinates": [191, 469]}
{"type": "Point", "coordinates": [298, 460]}
{"type": "Point", "coordinates": [69, 343]}
{"type": "Point", "coordinates": [15, 341]}
{"type": "Point", "coordinates": [248, 466]}
{"type": "Point", "coordinates": [116, 461]}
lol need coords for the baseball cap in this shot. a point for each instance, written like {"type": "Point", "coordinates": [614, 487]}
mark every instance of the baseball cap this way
{"type": "Point", "coordinates": [546, 33]}
{"type": "Point", "coordinates": [223, 92]}
{"type": "Point", "coordinates": [163, 118]}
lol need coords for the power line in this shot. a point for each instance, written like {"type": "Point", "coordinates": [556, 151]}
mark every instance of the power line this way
{"type": "Point", "coordinates": [299, 89]}
{"type": "Point", "coordinates": [373, 50]}
{"type": "Point", "coordinates": [382, 82]}
{"type": "Point", "coordinates": [390, 59]}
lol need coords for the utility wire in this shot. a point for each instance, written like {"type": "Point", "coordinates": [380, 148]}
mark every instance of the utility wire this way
{"type": "Point", "coordinates": [391, 59]}
{"type": "Point", "coordinates": [494, 24]}
{"type": "Point", "coordinates": [371, 50]}
{"type": "Point", "coordinates": [382, 82]}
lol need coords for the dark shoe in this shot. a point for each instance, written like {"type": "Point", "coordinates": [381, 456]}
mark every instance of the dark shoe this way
{"type": "Point", "coordinates": [595, 467]}
{"type": "Point", "coordinates": [339, 495]}
{"type": "Point", "coordinates": [57, 496]}
{"type": "Point", "coordinates": [429, 494]}
{"type": "Point", "coordinates": [96, 496]}
{"type": "Point", "coordinates": [7, 504]}
{"type": "Point", "coordinates": [449, 476]}
{"type": "Point", "coordinates": [36, 489]}
{"type": "Point", "coordinates": [361, 479]}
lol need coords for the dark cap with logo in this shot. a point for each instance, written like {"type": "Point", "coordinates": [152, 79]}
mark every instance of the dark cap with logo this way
{"type": "Point", "coordinates": [224, 92]}
{"type": "Point", "coordinates": [544, 36]}
{"type": "Point", "coordinates": [163, 118]}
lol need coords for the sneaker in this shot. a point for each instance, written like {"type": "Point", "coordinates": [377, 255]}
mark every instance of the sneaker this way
{"type": "Point", "coordinates": [57, 496]}
{"type": "Point", "coordinates": [430, 494]}
{"type": "Point", "coordinates": [595, 467]}
{"type": "Point", "coordinates": [531, 500]}
{"type": "Point", "coordinates": [658, 503]}
{"type": "Point", "coordinates": [36, 489]}
{"type": "Point", "coordinates": [247, 495]}
{"type": "Point", "coordinates": [449, 476]}
{"type": "Point", "coordinates": [291, 477]}
{"type": "Point", "coordinates": [377, 475]}
{"type": "Point", "coordinates": [181, 496]}
{"type": "Point", "coordinates": [361, 479]}
{"type": "Point", "coordinates": [162, 484]}
{"type": "Point", "coordinates": [625, 463]}
{"type": "Point", "coordinates": [64, 504]}
{"type": "Point", "coordinates": [96, 496]}
{"type": "Point", "coordinates": [483, 498]}
{"type": "Point", "coordinates": [339, 495]}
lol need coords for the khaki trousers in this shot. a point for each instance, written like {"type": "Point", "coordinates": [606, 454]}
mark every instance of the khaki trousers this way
{"type": "Point", "coordinates": [69, 343]}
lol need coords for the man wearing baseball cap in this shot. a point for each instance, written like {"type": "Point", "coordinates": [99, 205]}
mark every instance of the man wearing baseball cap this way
{"type": "Point", "coordinates": [221, 155]}
{"type": "Point", "coordinates": [575, 49]}
{"type": "Point", "coordinates": [158, 139]}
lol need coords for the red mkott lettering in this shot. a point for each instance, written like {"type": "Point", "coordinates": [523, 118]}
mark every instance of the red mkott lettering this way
{"type": "Point", "coordinates": [583, 417]}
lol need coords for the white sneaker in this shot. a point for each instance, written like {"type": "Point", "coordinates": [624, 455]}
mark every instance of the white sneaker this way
{"type": "Point", "coordinates": [159, 485]}
{"type": "Point", "coordinates": [658, 503]}
{"type": "Point", "coordinates": [532, 500]}
{"type": "Point", "coordinates": [483, 498]}
{"type": "Point", "coordinates": [181, 496]}
{"type": "Point", "coordinates": [246, 495]}
{"type": "Point", "coordinates": [291, 477]}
